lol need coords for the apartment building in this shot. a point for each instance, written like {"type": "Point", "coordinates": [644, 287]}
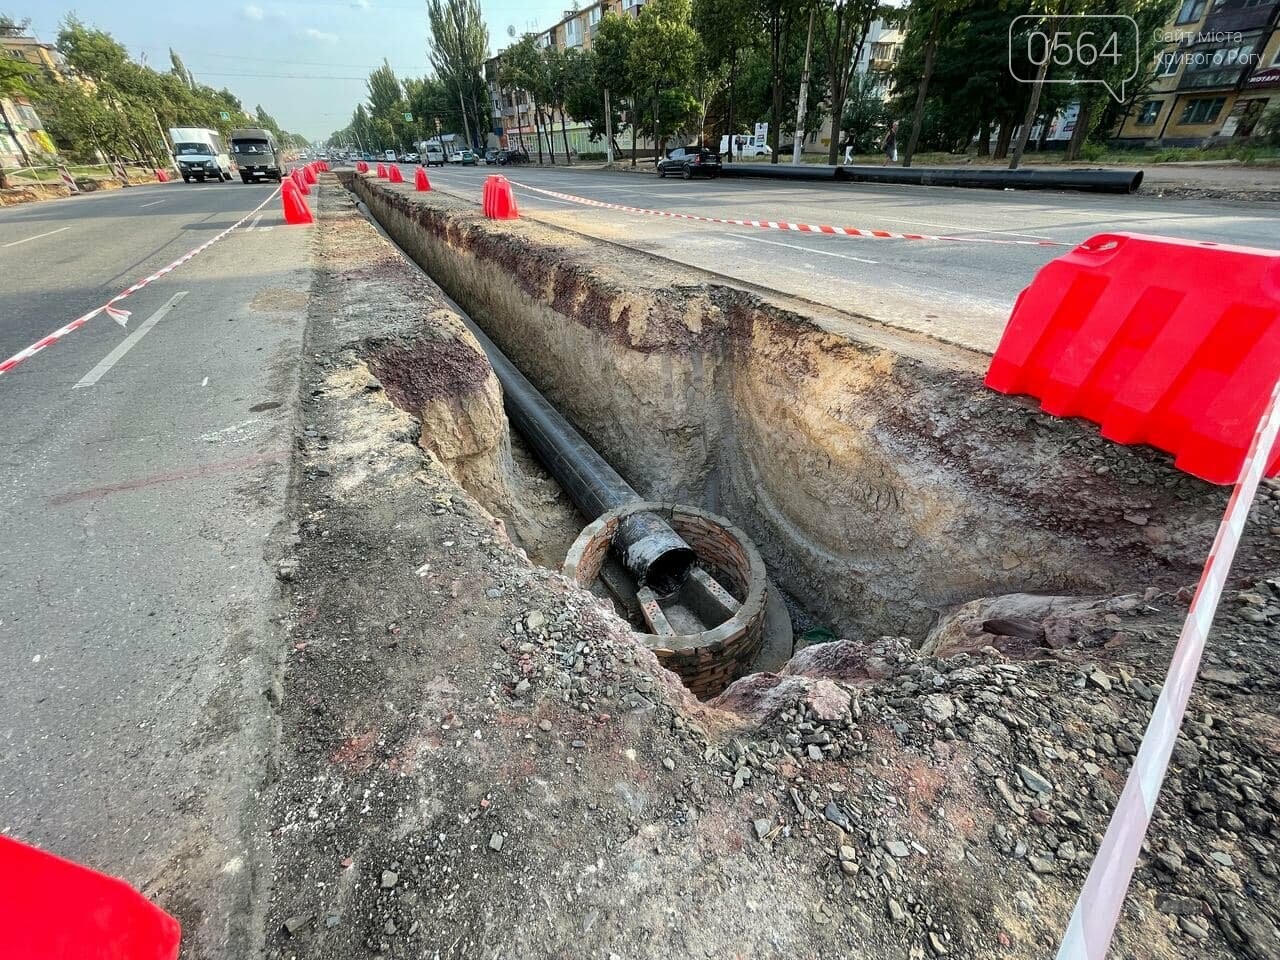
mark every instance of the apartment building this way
{"type": "Point", "coordinates": [22, 135]}
{"type": "Point", "coordinates": [44, 56]}
{"type": "Point", "coordinates": [577, 29]}
{"type": "Point", "coordinates": [1218, 71]}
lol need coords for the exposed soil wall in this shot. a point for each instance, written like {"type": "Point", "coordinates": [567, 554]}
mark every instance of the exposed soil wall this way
{"type": "Point", "coordinates": [880, 482]}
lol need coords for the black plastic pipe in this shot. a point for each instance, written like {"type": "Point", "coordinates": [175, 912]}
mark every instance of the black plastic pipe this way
{"type": "Point", "coordinates": [655, 554]}
{"type": "Point", "coordinates": [1089, 181]}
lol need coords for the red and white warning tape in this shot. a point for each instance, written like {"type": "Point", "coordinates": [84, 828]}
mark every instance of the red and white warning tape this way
{"type": "Point", "coordinates": [1093, 921]}
{"type": "Point", "coordinates": [783, 224]}
{"type": "Point", "coordinates": [109, 308]}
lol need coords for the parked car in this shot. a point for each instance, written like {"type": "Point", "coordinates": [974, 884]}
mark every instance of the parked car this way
{"type": "Point", "coordinates": [506, 157]}
{"type": "Point", "coordinates": [690, 162]}
{"type": "Point", "coordinates": [410, 157]}
{"type": "Point", "coordinates": [389, 156]}
{"type": "Point", "coordinates": [744, 147]}
{"type": "Point", "coordinates": [491, 155]}
{"type": "Point", "coordinates": [464, 157]}
{"type": "Point", "coordinates": [433, 155]}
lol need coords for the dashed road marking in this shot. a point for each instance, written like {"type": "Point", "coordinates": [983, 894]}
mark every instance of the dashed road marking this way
{"type": "Point", "coordinates": [36, 237]}
{"type": "Point", "coordinates": [127, 344]}
{"type": "Point", "coordinates": [796, 246]}
{"type": "Point", "coordinates": [151, 204]}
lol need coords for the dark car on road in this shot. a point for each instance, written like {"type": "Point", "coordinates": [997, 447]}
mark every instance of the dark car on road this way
{"type": "Point", "coordinates": [690, 162]}
{"type": "Point", "coordinates": [509, 157]}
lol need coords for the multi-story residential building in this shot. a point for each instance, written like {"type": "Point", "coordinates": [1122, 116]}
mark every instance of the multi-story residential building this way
{"type": "Point", "coordinates": [880, 53]}
{"type": "Point", "coordinates": [1219, 69]}
{"type": "Point", "coordinates": [44, 56]}
{"type": "Point", "coordinates": [577, 29]}
{"type": "Point", "coordinates": [22, 135]}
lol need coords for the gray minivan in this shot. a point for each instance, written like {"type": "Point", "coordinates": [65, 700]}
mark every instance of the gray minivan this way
{"type": "Point", "coordinates": [257, 154]}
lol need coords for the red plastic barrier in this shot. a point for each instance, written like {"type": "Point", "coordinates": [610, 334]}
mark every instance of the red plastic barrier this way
{"type": "Point", "coordinates": [496, 200]}
{"type": "Point", "coordinates": [361, 167]}
{"type": "Point", "coordinates": [420, 180]}
{"type": "Point", "coordinates": [382, 171]}
{"type": "Point", "coordinates": [162, 176]}
{"type": "Point", "coordinates": [53, 909]}
{"type": "Point", "coordinates": [309, 171]}
{"type": "Point", "coordinates": [394, 174]}
{"type": "Point", "coordinates": [300, 181]}
{"type": "Point", "coordinates": [1174, 343]}
{"type": "Point", "coordinates": [296, 210]}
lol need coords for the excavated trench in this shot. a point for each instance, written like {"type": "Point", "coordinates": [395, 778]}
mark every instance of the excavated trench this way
{"type": "Point", "coordinates": [880, 484]}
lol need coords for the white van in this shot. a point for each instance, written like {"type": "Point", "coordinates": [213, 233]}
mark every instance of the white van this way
{"type": "Point", "coordinates": [201, 154]}
{"type": "Point", "coordinates": [432, 155]}
{"type": "Point", "coordinates": [744, 145]}
{"type": "Point", "coordinates": [389, 156]}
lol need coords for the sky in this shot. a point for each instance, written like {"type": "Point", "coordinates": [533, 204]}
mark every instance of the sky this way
{"type": "Point", "coordinates": [304, 60]}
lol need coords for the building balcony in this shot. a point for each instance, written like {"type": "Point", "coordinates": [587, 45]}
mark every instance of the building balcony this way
{"type": "Point", "coordinates": [1232, 16]}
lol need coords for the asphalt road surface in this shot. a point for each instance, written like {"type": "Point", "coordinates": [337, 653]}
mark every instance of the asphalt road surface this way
{"type": "Point", "coordinates": [957, 291]}
{"type": "Point", "coordinates": [142, 494]}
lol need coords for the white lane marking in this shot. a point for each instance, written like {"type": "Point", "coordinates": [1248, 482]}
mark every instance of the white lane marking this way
{"type": "Point", "coordinates": [36, 237]}
{"type": "Point", "coordinates": [151, 204]}
{"type": "Point", "coordinates": [796, 246]}
{"type": "Point", "coordinates": [204, 382]}
{"type": "Point", "coordinates": [255, 222]}
{"type": "Point", "coordinates": [125, 345]}
{"type": "Point", "coordinates": [970, 229]}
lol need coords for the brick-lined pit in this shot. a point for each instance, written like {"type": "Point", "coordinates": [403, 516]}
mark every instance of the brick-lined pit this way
{"type": "Point", "coordinates": [709, 661]}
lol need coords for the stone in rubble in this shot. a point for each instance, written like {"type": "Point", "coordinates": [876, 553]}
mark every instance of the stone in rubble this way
{"type": "Point", "coordinates": [938, 707]}
{"type": "Point", "coordinates": [1034, 781]}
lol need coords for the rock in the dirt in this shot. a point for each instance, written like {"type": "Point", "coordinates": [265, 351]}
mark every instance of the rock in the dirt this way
{"type": "Point", "coordinates": [535, 620]}
{"type": "Point", "coordinates": [897, 848]}
{"type": "Point", "coordinates": [828, 701]}
{"type": "Point", "coordinates": [938, 707]}
{"type": "Point", "coordinates": [496, 841]}
{"type": "Point", "coordinates": [1034, 781]}
{"type": "Point", "coordinates": [296, 923]}
{"type": "Point", "coordinates": [762, 827]}
{"type": "Point", "coordinates": [544, 726]}
{"type": "Point", "coordinates": [389, 879]}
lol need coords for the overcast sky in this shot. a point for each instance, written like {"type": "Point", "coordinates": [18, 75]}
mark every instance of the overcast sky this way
{"type": "Point", "coordinates": [304, 60]}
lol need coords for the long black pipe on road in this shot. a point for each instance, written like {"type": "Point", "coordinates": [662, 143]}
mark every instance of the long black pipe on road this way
{"type": "Point", "coordinates": [1089, 181]}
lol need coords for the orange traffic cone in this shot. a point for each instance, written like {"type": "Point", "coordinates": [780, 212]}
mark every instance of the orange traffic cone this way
{"type": "Point", "coordinates": [394, 175]}
{"type": "Point", "coordinates": [296, 210]}
{"type": "Point", "coordinates": [420, 180]}
{"type": "Point", "coordinates": [53, 908]}
{"type": "Point", "coordinates": [382, 171]}
{"type": "Point", "coordinates": [498, 202]}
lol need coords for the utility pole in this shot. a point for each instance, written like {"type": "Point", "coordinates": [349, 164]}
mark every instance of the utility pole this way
{"type": "Point", "coordinates": [804, 92]}
{"type": "Point", "coordinates": [608, 128]}
{"type": "Point", "coordinates": [466, 127]}
{"type": "Point", "coordinates": [173, 161]}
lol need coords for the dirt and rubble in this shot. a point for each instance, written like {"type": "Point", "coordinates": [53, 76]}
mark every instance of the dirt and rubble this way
{"type": "Point", "coordinates": [479, 760]}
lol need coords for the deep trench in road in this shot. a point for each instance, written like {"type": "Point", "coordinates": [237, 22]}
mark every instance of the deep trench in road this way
{"type": "Point", "coordinates": [880, 486]}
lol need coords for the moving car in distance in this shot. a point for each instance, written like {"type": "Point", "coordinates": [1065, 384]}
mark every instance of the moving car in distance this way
{"type": "Point", "coordinates": [201, 154]}
{"type": "Point", "coordinates": [389, 156]}
{"type": "Point", "coordinates": [505, 157]}
{"type": "Point", "coordinates": [464, 157]}
{"type": "Point", "coordinates": [410, 157]}
{"type": "Point", "coordinates": [257, 154]}
{"type": "Point", "coordinates": [491, 155]}
{"type": "Point", "coordinates": [433, 155]}
{"type": "Point", "coordinates": [690, 162]}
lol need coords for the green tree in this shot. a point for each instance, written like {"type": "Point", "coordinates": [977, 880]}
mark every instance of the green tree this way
{"type": "Point", "coordinates": [661, 61]}
{"type": "Point", "coordinates": [458, 49]}
{"type": "Point", "coordinates": [615, 37]}
{"type": "Point", "coordinates": [525, 68]}
{"type": "Point", "coordinates": [728, 28]}
{"type": "Point", "coordinates": [844, 30]}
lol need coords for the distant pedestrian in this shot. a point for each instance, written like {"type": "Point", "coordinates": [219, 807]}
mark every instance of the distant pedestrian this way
{"type": "Point", "coordinates": [890, 144]}
{"type": "Point", "coordinates": [848, 149]}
